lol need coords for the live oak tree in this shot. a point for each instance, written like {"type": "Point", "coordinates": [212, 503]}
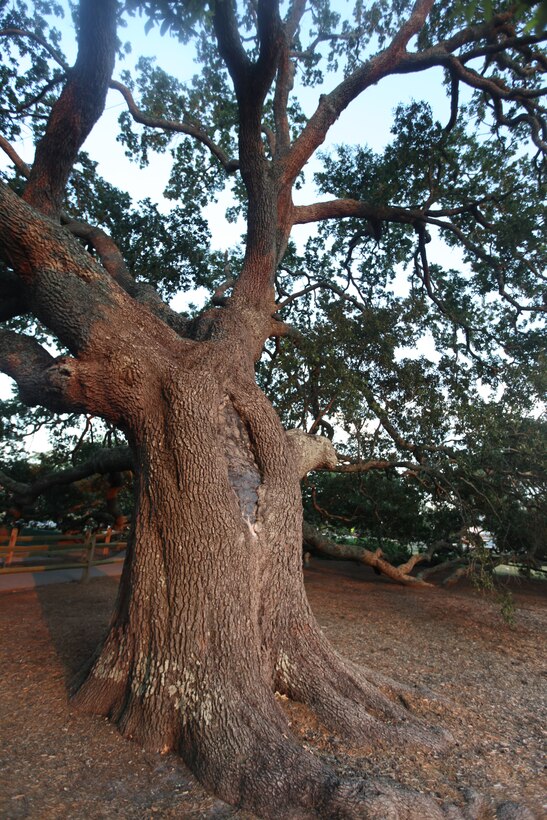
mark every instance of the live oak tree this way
{"type": "Point", "coordinates": [211, 619]}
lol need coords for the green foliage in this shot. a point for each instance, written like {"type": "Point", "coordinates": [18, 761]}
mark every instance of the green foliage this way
{"type": "Point", "coordinates": [381, 509]}
{"type": "Point", "coordinates": [171, 251]}
{"type": "Point", "coordinates": [71, 506]}
{"type": "Point", "coordinates": [29, 78]}
{"type": "Point", "coordinates": [180, 19]}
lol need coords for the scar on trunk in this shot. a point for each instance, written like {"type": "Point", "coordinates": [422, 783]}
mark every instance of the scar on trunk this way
{"type": "Point", "coordinates": [243, 471]}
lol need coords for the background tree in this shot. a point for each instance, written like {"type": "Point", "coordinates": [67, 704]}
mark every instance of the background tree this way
{"type": "Point", "coordinates": [212, 619]}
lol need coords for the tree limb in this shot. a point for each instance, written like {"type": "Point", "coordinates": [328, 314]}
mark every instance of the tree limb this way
{"type": "Point", "coordinates": [78, 108]}
{"type": "Point", "coordinates": [14, 301]}
{"type": "Point", "coordinates": [12, 31]}
{"type": "Point", "coordinates": [311, 452]}
{"type": "Point", "coordinates": [331, 105]}
{"type": "Point", "coordinates": [360, 554]}
{"type": "Point", "coordinates": [345, 208]}
{"type": "Point", "coordinates": [8, 149]}
{"type": "Point", "coordinates": [109, 460]}
{"type": "Point", "coordinates": [41, 378]}
{"type": "Point", "coordinates": [229, 42]}
{"type": "Point", "coordinates": [285, 78]}
{"type": "Point", "coordinates": [230, 165]}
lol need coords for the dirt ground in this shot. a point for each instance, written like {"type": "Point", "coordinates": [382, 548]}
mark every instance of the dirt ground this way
{"type": "Point", "coordinates": [489, 677]}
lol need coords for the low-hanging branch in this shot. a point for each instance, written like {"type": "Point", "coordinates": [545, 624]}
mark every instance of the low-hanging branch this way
{"type": "Point", "coordinates": [111, 460]}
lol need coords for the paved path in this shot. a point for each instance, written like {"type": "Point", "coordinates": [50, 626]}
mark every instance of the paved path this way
{"type": "Point", "coordinates": [18, 581]}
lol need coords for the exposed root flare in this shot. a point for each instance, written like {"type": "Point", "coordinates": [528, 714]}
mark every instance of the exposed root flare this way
{"type": "Point", "coordinates": [412, 697]}
{"type": "Point", "coordinates": [245, 753]}
{"type": "Point", "coordinates": [348, 703]}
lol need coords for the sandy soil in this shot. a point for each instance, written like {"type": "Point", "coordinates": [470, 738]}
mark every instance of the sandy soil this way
{"type": "Point", "coordinates": [490, 679]}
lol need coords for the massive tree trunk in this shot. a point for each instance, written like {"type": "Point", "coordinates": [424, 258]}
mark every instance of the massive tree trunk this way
{"type": "Point", "coordinates": [212, 619]}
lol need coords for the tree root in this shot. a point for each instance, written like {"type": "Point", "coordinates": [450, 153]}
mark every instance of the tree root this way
{"type": "Point", "coordinates": [237, 740]}
{"type": "Point", "coordinates": [350, 703]}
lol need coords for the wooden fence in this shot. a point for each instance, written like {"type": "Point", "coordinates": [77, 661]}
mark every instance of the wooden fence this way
{"type": "Point", "coordinates": [39, 553]}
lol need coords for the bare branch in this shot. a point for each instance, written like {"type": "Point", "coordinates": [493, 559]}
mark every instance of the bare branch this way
{"type": "Point", "coordinates": [230, 165]}
{"type": "Point", "coordinates": [13, 301]}
{"type": "Point", "coordinates": [8, 149]}
{"type": "Point", "coordinates": [30, 101]}
{"type": "Point", "coordinates": [271, 36]}
{"type": "Point", "coordinates": [374, 464]}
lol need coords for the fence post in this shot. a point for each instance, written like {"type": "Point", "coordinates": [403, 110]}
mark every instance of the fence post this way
{"type": "Point", "coordinates": [11, 546]}
{"type": "Point", "coordinates": [91, 539]}
{"type": "Point", "coordinates": [106, 541]}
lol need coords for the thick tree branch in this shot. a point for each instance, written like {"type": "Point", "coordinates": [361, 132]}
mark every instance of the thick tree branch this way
{"type": "Point", "coordinates": [311, 452]}
{"type": "Point", "coordinates": [346, 208]}
{"type": "Point", "coordinates": [345, 466]}
{"type": "Point", "coordinates": [285, 78]}
{"type": "Point", "coordinates": [105, 247]}
{"type": "Point", "coordinates": [8, 149]}
{"type": "Point", "coordinates": [283, 87]}
{"type": "Point", "coordinates": [112, 260]}
{"type": "Point", "coordinates": [12, 294]}
{"type": "Point", "coordinates": [78, 108]}
{"type": "Point", "coordinates": [325, 546]}
{"type": "Point", "coordinates": [271, 36]}
{"type": "Point", "coordinates": [229, 42]}
{"type": "Point", "coordinates": [69, 290]}
{"type": "Point", "coordinates": [40, 378]}
{"type": "Point", "coordinates": [331, 105]}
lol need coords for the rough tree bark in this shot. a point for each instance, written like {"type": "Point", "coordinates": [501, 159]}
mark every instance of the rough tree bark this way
{"type": "Point", "coordinates": [212, 618]}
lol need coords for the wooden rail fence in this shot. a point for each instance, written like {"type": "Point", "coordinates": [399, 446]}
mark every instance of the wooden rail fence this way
{"type": "Point", "coordinates": [39, 553]}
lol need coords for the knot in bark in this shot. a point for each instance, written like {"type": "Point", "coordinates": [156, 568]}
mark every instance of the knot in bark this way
{"type": "Point", "coordinates": [311, 452]}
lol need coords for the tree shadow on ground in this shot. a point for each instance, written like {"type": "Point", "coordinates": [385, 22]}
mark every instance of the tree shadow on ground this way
{"type": "Point", "coordinates": [77, 617]}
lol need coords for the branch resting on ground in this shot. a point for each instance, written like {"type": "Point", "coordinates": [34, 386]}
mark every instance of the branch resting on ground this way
{"type": "Point", "coordinates": [400, 575]}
